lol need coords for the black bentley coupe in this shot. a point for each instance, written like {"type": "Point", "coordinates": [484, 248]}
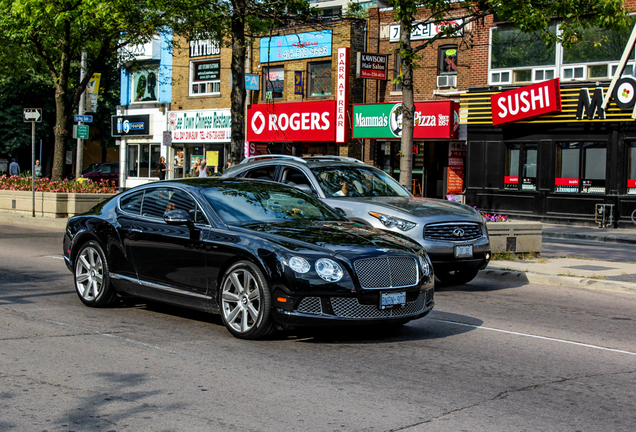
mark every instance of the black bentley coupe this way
{"type": "Point", "coordinates": [257, 252]}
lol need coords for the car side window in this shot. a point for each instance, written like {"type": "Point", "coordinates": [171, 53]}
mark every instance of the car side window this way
{"type": "Point", "coordinates": [155, 202]}
{"type": "Point", "coordinates": [294, 177]}
{"type": "Point", "coordinates": [132, 203]}
{"type": "Point", "coordinates": [181, 200]}
{"type": "Point", "coordinates": [263, 173]}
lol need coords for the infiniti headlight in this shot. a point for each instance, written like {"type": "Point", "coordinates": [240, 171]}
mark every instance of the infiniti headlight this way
{"type": "Point", "coordinates": [329, 270]}
{"type": "Point", "coordinates": [390, 221]}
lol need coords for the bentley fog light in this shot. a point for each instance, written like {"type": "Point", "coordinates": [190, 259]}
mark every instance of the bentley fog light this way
{"type": "Point", "coordinates": [390, 221]}
{"type": "Point", "coordinates": [329, 270]}
{"type": "Point", "coordinates": [299, 265]}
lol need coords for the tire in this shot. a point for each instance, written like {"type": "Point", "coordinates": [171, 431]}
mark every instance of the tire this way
{"type": "Point", "coordinates": [456, 276]}
{"type": "Point", "coordinates": [246, 302]}
{"type": "Point", "coordinates": [92, 280]}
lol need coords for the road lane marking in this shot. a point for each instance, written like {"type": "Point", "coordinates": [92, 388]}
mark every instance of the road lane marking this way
{"type": "Point", "coordinates": [535, 336]}
{"type": "Point", "coordinates": [56, 257]}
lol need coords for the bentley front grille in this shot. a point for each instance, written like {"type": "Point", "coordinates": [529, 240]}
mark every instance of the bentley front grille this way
{"type": "Point", "coordinates": [387, 272]}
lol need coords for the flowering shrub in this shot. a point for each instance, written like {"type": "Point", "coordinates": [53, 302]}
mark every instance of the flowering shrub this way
{"type": "Point", "coordinates": [492, 217]}
{"type": "Point", "coordinates": [66, 186]}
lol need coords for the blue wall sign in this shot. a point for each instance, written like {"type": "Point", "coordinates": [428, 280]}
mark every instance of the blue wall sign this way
{"type": "Point", "coordinates": [296, 46]}
{"type": "Point", "coordinates": [298, 82]}
{"type": "Point", "coordinates": [251, 82]}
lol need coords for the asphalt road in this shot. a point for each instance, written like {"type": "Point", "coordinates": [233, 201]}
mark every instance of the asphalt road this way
{"type": "Point", "coordinates": [491, 357]}
{"type": "Point", "coordinates": [605, 251]}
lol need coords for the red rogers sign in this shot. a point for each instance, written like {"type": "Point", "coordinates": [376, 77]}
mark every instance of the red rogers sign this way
{"type": "Point", "coordinates": [526, 102]}
{"type": "Point", "coordinates": [303, 121]}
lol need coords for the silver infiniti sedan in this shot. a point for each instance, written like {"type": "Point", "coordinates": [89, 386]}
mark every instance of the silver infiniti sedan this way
{"type": "Point", "coordinates": [454, 235]}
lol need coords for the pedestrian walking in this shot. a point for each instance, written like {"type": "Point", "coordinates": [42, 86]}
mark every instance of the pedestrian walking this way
{"type": "Point", "coordinates": [38, 169]}
{"type": "Point", "coordinates": [14, 168]}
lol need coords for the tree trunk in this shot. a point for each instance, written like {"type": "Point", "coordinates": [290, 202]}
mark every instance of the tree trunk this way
{"type": "Point", "coordinates": [60, 132]}
{"type": "Point", "coordinates": [408, 106]}
{"type": "Point", "coordinates": [238, 94]}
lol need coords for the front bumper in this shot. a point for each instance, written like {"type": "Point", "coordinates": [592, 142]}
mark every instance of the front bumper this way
{"type": "Point", "coordinates": [313, 310]}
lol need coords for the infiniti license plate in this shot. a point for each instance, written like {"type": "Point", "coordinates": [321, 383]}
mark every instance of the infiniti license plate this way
{"type": "Point", "coordinates": [392, 299]}
{"type": "Point", "coordinates": [464, 251]}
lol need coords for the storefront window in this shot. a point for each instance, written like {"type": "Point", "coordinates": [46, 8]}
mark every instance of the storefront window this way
{"type": "Point", "coordinates": [143, 160]}
{"type": "Point", "coordinates": [448, 60]}
{"type": "Point", "coordinates": [581, 167]}
{"type": "Point", "coordinates": [521, 167]}
{"type": "Point", "coordinates": [206, 78]}
{"type": "Point", "coordinates": [610, 47]}
{"type": "Point", "coordinates": [631, 171]}
{"type": "Point", "coordinates": [320, 79]}
{"type": "Point", "coordinates": [273, 82]}
{"type": "Point", "coordinates": [145, 83]}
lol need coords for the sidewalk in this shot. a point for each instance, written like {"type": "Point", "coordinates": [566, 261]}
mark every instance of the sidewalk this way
{"type": "Point", "coordinates": [566, 272]}
{"type": "Point", "coordinates": [574, 272]}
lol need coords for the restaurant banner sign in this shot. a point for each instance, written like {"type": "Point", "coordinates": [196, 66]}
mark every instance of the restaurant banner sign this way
{"type": "Point", "coordinates": [301, 121]}
{"type": "Point", "coordinates": [296, 46]}
{"type": "Point", "coordinates": [200, 126]}
{"type": "Point", "coordinates": [433, 119]}
{"type": "Point", "coordinates": [526, 102]}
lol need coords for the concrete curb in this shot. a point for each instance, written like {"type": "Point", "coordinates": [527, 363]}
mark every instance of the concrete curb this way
{"type": "Point", "coordinates": [608, 239]}
{"type": "Point", "coordinates": [563, 281]}
{"type": "Point", "coordinates": [19, 219]}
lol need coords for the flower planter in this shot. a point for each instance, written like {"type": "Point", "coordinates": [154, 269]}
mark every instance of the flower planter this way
{"type": "Point", "coordinates": [516, 237]}
{"type": "Point", "coordinates": [49, 204]}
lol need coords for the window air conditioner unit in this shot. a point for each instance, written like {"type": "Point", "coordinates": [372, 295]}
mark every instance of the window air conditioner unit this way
{"type": "Point", "coordinates": [447, 81]}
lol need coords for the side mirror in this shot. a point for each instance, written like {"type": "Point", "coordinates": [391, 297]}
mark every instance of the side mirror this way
{"type": "Point", "coordinates": [177, 217]}
{"type": "Point", "coordinates": [341, 212]}
{"type": "Point", "coordinates": [306, 188]}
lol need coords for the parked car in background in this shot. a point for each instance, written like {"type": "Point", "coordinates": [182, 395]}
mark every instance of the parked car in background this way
{"type": "Point", "coordinates": [453, 234]}
{"type": "Point", "coordinates": [259, 253]}
{"type": "Point", "coordinates": [108, 171]}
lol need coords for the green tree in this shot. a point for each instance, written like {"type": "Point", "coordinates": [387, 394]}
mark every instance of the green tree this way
{"type": "Point", "coordinates": [52, 35]}
{"type": "Point", "coordinates": [528, 16]}
{"type": "Point", "coordinates": [233, 23]}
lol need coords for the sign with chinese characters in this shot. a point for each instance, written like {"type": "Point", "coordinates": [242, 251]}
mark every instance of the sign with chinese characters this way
{"type": "Point", "coordinates": [342, 95]}
{"type": "Point", "coordinates": [526, 102]}
{"type": "Point", "coordinates": [456, 163]}
{"type": "Point", "coordinates": [130, 125]}
{"type": "Point", "coordinates": [372, 66]}
{"type": "Point", "coordinates": [433, 119]}
{"type": "Point", "coordinates": [204, 48]}
{"type": "Point", "coordinates": [296, 46]}
{"type": "Point", "coordinates": [427, 30]}
{"type": "Point", "coordinates": [302, 121]}
{"type": "Point", "coordinates": [200, 126]}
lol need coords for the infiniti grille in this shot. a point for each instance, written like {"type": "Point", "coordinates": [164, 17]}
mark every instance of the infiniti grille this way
{"type": "Point", "coordinates": [452, 232]}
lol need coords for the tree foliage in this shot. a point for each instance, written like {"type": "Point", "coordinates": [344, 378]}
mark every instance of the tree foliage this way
{"type": "Point", "coordinates": [52, 35]}
{"type": "Point", "coordinates": [233, 23]}
{"type": "Point", "coordinates": [574, 16]}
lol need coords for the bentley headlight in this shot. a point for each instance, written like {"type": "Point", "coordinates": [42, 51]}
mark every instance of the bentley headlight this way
{"type": "Point", "coordinates": [426, 268]}
{"type": "Point", "coordinates": [329, 270]}
{"type": "Point", "coordinates": [299, 265]}
{"type": "Point", "coordinates": [390, 221]}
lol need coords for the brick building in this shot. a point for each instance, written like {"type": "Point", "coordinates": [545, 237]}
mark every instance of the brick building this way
{"type": "Point", "coordinates": [295, 77]}
{"type": "Point", "coordinates": [443, 74]}
{"type": "Point", "coordinates": [541, 144]}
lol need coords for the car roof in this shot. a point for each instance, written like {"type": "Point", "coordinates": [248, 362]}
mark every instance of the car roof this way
{"type": "Point", "coordinates": [309, 162]}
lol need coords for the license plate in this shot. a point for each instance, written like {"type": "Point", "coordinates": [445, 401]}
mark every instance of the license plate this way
{"type": "Point", "coordinates": [392, 299]}
{"type": "Point", "coordinates": [464, 251]}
